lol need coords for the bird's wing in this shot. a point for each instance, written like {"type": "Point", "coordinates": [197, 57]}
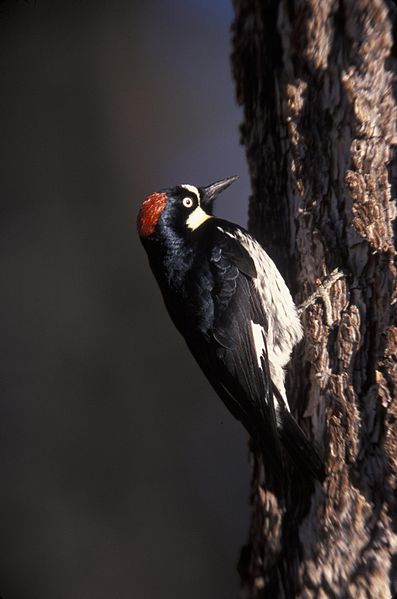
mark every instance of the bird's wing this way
{"type": "Point", "coordinates": [240, 330]}
{"type": "Point", "coordinates": [239, 339]}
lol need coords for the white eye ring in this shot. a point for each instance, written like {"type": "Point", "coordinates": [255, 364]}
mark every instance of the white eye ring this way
{"type": "Point", "coordinates": [187, 202]}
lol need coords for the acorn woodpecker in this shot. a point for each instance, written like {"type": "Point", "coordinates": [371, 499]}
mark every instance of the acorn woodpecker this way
{"type": "Point", "coordinates": [234, 310]}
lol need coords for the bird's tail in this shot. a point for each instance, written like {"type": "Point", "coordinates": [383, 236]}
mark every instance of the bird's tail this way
{"type": "Point", "coordinates": [301, 451]}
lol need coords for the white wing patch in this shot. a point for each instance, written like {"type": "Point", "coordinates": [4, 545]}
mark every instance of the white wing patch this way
{"type": "Point", "coordinates": [192, 189]}
{"type": "Point", "coordinates": [259, 342]}
{"type": "Point", "coordinates": [197, 218]}
{"type": "Point", "coordinates": [284, 329]}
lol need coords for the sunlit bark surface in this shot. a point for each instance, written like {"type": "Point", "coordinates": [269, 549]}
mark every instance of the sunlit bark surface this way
{"type": "Point", "coordinates": [315, 79]}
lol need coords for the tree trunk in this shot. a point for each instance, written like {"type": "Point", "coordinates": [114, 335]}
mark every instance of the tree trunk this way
{"type": "Point", "coordinates": [315, 78]}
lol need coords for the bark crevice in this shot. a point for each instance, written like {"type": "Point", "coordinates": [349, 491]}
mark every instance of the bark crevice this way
{"type": "Point", "coordinates": [316, 82]}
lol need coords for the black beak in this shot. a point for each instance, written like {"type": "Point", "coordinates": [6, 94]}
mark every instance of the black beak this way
{"type": "Point", "coordinates": [212, 191]}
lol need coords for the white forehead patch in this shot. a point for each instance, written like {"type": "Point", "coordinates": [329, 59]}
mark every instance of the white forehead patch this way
{"type": "Point", "coordinates": [193, 189]}
{"type": "Point", "coordinates": [197, 218]}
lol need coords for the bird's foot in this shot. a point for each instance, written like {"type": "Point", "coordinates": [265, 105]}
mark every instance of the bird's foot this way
{"type": "Point", "coordinates": [322, 292]}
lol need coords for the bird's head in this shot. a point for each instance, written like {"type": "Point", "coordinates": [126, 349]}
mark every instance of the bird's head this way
{"type": "Point", "coordinates": [182, 208]}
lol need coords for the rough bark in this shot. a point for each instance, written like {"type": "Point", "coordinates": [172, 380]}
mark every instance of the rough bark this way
{"type": "Point", "coordinates": [316, 82]}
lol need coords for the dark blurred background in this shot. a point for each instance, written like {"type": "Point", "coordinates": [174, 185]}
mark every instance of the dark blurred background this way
{"type": "Point", "coordinates": [121, 473]}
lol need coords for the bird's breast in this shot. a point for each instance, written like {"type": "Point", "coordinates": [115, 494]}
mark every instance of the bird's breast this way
{"type": "Point", "coordinates": [188, 297]}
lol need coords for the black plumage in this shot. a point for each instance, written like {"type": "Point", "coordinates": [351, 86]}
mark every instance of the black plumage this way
{"type": "Point", "coordinates": [208, 281]}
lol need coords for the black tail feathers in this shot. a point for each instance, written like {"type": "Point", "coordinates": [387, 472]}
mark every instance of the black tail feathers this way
{"type": "Point", "coordinates": [301, 451]}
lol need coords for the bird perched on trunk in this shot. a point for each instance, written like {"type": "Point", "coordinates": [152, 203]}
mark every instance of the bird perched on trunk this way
{"type": "Point", "coordinates": [232, 306]}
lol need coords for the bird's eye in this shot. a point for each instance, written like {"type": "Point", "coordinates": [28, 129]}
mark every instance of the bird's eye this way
{"type": "Point", "coordinates": [187, 202]}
